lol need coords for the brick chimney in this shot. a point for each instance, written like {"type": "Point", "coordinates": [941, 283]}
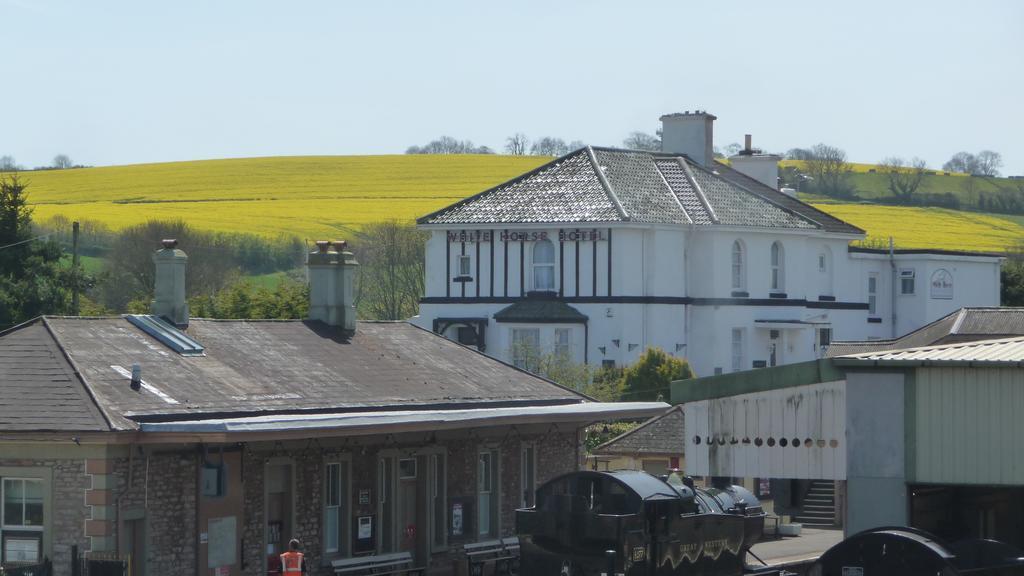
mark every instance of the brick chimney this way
{"type": "Point", "coordinates": [754, 163]}
{"type": "Point", "coordinates": [170, 300]}
{"type": "Point", "coordinates": [331, 268]}
{"type": "Point", "coordinates": [690, 133]}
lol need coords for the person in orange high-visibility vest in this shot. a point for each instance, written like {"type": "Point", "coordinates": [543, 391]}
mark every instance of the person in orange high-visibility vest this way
{"type": "Point", "coordinates": [292, 563]}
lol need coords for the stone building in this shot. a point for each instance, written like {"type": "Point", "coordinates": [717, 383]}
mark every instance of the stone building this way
{"type": "Point", "coordinates": [199, 446]}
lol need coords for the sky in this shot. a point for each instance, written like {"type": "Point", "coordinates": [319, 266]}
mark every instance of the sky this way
{"type": "Point", "coordinates": [130, 82]}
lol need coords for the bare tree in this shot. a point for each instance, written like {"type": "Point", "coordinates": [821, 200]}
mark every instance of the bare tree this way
{"type": "Point", "coordinates": [389, 283]}
{"type": "Point", "coordinates": [61, 161]}
{"type": "Point", "coordinates": [448, 145]}
{"type": "Point", "coordinates": [989, 163]}
{"type": "Point", "coordinates": [576, 145]}
{"type": "Point", "coordinates": [961, 162]}
{"type": "Point", "coordinates": [798, 154]}
{"type": "Point", "coordinates": [7, 164]}
{"type": "Point", "coordinates": [904, 178]}
{"type": "Point", "coordinates": [517, 144]}
{"type": "Point", "coordinates": [548, 146]}
{"type": "Point", "coordinates": [829, 171]}
{"type": "Point", "coordinates": [642, 141]}
{"type": "Point", "coordinates": [732, 149]}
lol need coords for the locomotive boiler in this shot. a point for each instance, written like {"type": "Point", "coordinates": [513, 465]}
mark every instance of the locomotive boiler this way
{"type": "Point", "coordinates": [655, 527]}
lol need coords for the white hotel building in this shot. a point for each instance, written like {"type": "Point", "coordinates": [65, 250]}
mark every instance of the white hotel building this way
{"type": "Point", "coordinates": [603, 253]}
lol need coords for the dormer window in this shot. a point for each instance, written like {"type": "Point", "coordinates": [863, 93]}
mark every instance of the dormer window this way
{"type": "Point", "coordinates": [544, 266]}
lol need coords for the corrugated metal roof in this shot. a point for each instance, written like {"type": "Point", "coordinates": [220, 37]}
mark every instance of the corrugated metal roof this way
{"type": "Point", "coordinates": [1001, 351]}
{"type": "Point", "coordinates": [415, 420]}
{"type": "Point", "coordinates": [963, 325]}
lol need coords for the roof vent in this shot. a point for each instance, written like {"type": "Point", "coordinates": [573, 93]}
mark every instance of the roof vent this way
{"type": "Point", "coordinates": [167, 334]}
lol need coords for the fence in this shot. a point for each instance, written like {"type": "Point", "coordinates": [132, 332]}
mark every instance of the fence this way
{"type": "Point", "coordinates": [99, 564]}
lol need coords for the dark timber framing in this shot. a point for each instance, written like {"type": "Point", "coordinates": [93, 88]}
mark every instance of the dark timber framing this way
{"type": "Point", "coordinates": [477, 275]}
{"type": "Point", "coordinates": [490, 291]}
{"type": "Point", "coordinates": [460, 269]}
{"type": "Point", "coordinates": [522, 268]}
{"type": "Point", "coordinates": [447, 267]}
{"type": "Point", "coordinates": [609, 261]}
{"type": "Point", "coordinates": [679, 300]}
{"type": "Point", "coordinates": [561, 266]}
{"type": "Point", "coordinates": [593, 270]}
{"type": "Point", "coordinates": [504, 261]}
{"type": "Point", "coordinates": [577, 262]}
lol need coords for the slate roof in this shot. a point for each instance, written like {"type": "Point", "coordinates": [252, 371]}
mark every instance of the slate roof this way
{"type": "Point", "coordinates": [663, 434]}
{"type": "Point", "coordinates": [963, 325]}
{"type": "Point", "coordinates": [540, 310]}
{"type": "Point", "coordinates": [38, 387]}
{"type": "Point", "coordinates": [607, 185]}
{"type": "Point", "coordinates": [258, 368]}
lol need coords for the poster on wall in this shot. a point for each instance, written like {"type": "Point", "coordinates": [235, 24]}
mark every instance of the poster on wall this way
{"type": "Point", "coordinates": [941, 285]}
{"type": "Point", "coordinates": [223, 542]}
{"type": "Point", "coordinates": [457, 519]}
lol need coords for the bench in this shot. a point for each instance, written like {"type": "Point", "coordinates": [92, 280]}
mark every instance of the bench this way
{"type": "Point", "coordinates": [377, 565]}
{"type": "Point", "coordinates": [504, 553]}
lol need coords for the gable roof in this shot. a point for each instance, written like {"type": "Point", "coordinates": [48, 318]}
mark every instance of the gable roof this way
{"type": "Point", "coordinates": [963, 325]}
{"type": "Point", "coordinates": [662, 434]}
{"type": "Point", "coordinates": [595, 184]}
{"type": "Point", "coordinates": [254, 368]}
{"type": "Point", "coordinates": [39, 390]}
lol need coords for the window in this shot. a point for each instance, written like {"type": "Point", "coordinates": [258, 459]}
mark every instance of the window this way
{"type": "Point", "coordinates": [824, 337]}
{"type": "Point", "coordinates": [822, 263]}
{"type": "Point", "coordinates": [544, 265]}
{"type": "Point", "coordinates": [907, 281]}
{"type": "Point", "coordinates": [778, 259]}
{"type": "Point", "coordinates": [872, 294]}
{"type": "Point", "coordinates": [529, 475]}
{"type": "Point", "coordinates": [739, 272]}
{"type": "Point", "coordinates": [407, 469]}
{"type": "Point", "coordinates": [488, 493]}
{"type": "Point", "coordinates": [21, 512]}
{"type": "Point", "coordinates": [737, 349]}
{"type": "Point", "coordinates": [562, 342]}
{"type": "Point", "coordinates": [335, 514]}
{"type": "Point", "coordinates": [525, 347]}
{"type": "Point", "coordinates": [438, 490]}
{"type": "Point", "coordinates": [465, 266]}
{"type": "Point", "coordinates": [466, 335]}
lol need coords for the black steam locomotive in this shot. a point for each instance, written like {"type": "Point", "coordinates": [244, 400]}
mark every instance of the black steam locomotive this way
{"type": "Point", "coordinates": [655, 527]}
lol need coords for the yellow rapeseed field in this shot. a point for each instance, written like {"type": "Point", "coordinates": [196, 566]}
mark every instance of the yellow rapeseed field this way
{"type": "Point", "coordinates": [321, 196]}
{"type": "Point", "coordinates": [305, 195]}
{"type": "Point", "coordinates": [930, 227]}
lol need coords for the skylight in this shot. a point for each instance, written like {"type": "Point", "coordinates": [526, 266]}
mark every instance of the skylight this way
{"type": "Point", "coordinates": [167, 334]}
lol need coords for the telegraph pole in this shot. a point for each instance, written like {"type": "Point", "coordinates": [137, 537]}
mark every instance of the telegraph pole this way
{"type": "Point", "coordinates": [74, 268]}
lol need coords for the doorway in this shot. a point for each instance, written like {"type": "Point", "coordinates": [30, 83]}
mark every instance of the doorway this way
{"type": "Point", "coordinates": [412, 504]}
{"type": "Point", "coordinates": [279, 512]}
{"type": "Point", "coordinates": [774, 347]}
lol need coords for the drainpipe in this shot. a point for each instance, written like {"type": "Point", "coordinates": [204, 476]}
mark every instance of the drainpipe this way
{"type": "Point", "coordinates": [892, 266]}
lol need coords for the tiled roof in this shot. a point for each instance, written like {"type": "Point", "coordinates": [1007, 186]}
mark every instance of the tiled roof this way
{"type": "Point", "coordinates": [259, 367]}
{"type": "Point", "coordinates": [663, 434]}
{"type": "Point", "coordinates": [38, 388]}
{"type": "Point", "coordinates": [612, 185]}
{"type": "Point", "coordinates": [827, 221]}
{"type": "Point", "coordinates": [540, 310]}
{"type": "Point", "coordinates": [963, 325]}
{"type": "Point", "coordinates": [564, 190]}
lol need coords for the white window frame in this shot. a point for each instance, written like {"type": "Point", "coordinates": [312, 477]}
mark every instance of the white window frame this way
{"type": "Point", "coordinates": [911, 275]}
{"type": "Point", "coordinates": [537, 265]}
{"type": "Point", "coordinates": [738, 260]}
{"type": "Point", "coordinates": [777, 260]}
{"type": "Point", "coordinates": [738, 348]}
{"type": "Point", "coordinates": [30, 474]}
{"type": "Point", "coordinates": [559, 347]}
{"type": "Point", "coordinates": [465, 266]}
{"type": "Point", "coordinates": [873, 293]}
{"type": "Point", "coordinates": [520, 355]}
{"type": "Point", "coordinates": [491, 480]}
{"type": "Point", "coordinates": [343, 468]}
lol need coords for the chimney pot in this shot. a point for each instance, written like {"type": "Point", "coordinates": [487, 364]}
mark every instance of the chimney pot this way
{"type": "Point", "coordinates": [169, 243]}
{"type": "Point", "coordinates": [340, 245]}
{"type": "Point", "coordinates": [322, 245]}
{"type": "Point", "coordinates": [136, 381]}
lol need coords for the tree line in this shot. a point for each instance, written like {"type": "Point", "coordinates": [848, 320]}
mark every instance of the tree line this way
{"type": "Point", "coordinates": [60, 162]}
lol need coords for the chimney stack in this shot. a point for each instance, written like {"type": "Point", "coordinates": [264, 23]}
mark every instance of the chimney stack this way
{"type": "Point", "coordinates": [331, 268]}
{"type": "Point", "coordinates": [170, 300]}
{"type": "Point", "coordinates": [754, 163]}
{"type": "Point", "coordinates": [689, 133]}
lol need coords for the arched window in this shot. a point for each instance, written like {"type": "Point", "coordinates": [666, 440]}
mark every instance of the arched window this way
{"type": "Point", "coordinates": [544, 265]}
{"type": "Point", "coordinates": [778, 262]}
{"type": "Point", "coordinates": [739, 266]}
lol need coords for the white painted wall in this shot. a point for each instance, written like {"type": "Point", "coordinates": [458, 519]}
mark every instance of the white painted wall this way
{"type": "Point", "coordinates": [734, 425]}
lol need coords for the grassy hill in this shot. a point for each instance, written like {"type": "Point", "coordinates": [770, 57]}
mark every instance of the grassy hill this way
{"type": "Point", "coordinates": [313, 196]}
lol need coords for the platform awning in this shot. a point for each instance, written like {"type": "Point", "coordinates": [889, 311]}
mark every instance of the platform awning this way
{"type": "Point", "coordinates": [397, 421]}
